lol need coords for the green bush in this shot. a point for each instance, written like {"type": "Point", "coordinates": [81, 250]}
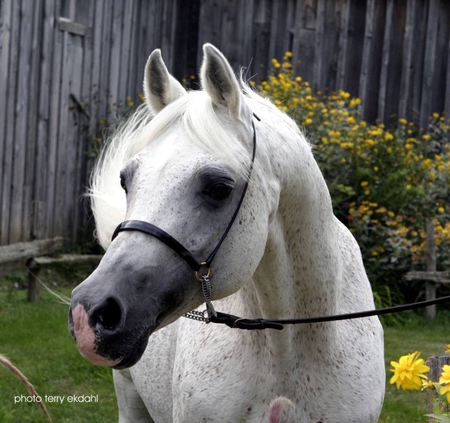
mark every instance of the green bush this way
{"type": "Point", "coordinates": [386, 183]}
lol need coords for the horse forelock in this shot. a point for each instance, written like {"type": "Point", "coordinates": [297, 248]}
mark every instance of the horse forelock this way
{"type": "Point", "coordinates": [200, 123]}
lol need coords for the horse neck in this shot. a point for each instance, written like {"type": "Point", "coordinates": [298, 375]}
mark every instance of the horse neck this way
{"type": "Point", "coordinates": [299, 273]}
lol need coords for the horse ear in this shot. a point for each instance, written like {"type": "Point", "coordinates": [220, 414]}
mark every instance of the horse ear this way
{"type": "Point", "coordinates": [160, 87]}
{"type": "Point", "coordinates": [219, 81]}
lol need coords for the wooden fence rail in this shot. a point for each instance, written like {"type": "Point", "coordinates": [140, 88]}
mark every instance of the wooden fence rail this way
{"type": "Point", "coordinates": [65, 65]}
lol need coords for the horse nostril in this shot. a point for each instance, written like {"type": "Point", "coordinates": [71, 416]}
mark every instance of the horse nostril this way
{"type": "Point", "coordinates": [108, 315]}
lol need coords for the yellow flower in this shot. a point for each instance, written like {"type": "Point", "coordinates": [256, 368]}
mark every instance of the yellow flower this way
{"type": "Point", "coordinates": [448, 349]}
{"type": "Point", "coordinates": [428, 384]}
{"type": "Point", "coordinates": [364, 183]}
{"type": "Point", "coordinates": [441, 209]}
{"type": "Point", "coordinates": [403, 121]}
{"type": "Point", "coordinates": [275, 63]}
{"type": "Point", "coordinates": [388, 136]}
{"type": "Point", "coordinates": [308, 121]}
{"type": "Point", "coordinates": [426, 137]}
{"type": "Point", "coordinates": [445, 378]}
{"type": "Point", "coordinates": [409, 372]}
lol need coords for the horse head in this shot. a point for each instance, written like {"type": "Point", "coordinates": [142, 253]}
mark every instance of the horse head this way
{"type": "Point", "coordinates": [183, 170]}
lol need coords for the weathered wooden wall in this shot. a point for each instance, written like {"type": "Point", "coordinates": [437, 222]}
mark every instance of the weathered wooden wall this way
{"type": "Point", "coordinates": [393, 54]}
{"type": "Point", "coordinates": [58, 78]}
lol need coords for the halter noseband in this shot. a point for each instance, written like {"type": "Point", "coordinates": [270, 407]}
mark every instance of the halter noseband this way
{"type": "Point", "coordinates": [202, 269]}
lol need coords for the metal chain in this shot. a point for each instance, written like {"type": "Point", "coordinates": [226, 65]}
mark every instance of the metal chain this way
{"type": "Point", "coordinates": [205, 315]}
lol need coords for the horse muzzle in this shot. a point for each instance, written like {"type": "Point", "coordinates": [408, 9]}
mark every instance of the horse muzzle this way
{"type": "Point", "coordinates": [105, 331]}
{"type": "Point", "coordinates": [102, 339]}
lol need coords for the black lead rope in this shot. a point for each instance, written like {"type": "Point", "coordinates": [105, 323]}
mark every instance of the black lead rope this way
{"type": "Point", "coordinates": [251, 324]}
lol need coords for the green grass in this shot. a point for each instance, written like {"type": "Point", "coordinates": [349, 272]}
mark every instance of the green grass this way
{"type": "Point", "coordinates": [36, 339]}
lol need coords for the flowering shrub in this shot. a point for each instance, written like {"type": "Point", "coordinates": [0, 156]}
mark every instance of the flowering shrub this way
{"type": "Point", "coordinates": [386, 183]}
{"type": "Point", "coordinates": [410, 374]}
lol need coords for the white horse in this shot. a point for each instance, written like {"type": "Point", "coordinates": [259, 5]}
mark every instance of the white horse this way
{"type": "Point", "coordinates": [183, 160]}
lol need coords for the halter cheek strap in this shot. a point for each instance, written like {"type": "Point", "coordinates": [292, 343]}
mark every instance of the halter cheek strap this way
{"type": "Point", "coordinates": [202, 269]}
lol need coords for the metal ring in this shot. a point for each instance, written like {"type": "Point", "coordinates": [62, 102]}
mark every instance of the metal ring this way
{"type": "Point", "coordinates": [236, 321]}
{"type": "Point", "coordinates": [208, 273]}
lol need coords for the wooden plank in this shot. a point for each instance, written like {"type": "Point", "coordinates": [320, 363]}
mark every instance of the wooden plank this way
{"type": "Point", "coordinates": [73, 28]}
{"type": "Point", "coordinates": [395, 62]}
{"type": "Point", "coordinates": [97, 49]}
{"type": "Point", "coordinates": [407, 64]}
{"type": "Point", "coordinates": [16, 256]}
{"type": "Point", "coordinates": [8, 152]}
{"type": "Point", "coordinates": [430, 276]}
{"type": "Point", "coordinates": [304, 40]}
{"type": "Point", "coordinates": [261, 39]}
{"type": "Point", "coordinates": [39, 227]}
{"type": "Point", "coordinates": [146, 19]}
{"type": "Point", "coordinates": [435, 363]}
{"type": "Point", "coordinates": [331, 44]}
{"type": "Point", "coordinates": [367, 48]}
{"type": "Point", "coordinates": [437, 101]}
{"type": "Point", "coordinates": [62, 168]}
{"type": "Point", "coordinates": [125, 52]}
{"type": "Point", "coordinates": [72, 160]}
{"type": "Point", "coordinates": [134, 86]}
{"type": "Point", "coordinates": [84, 134]}
{"type": "Point", "coordinates": [210, 26]}
{"type": "Point", "coordinates": [45, 261]}
{"type": "Point", "coordinates": [32, 135]}
{"type": "Point", "coordinates": [105, 65]}
{"type": "Point", "coordinates": [447, 81]}
{"type": "Point", "coordinates": [54, 141]}
{"type": "Point", "coordinates": [23, 251]}
{"type": "Point", "coordinates": [116, 45]}
{"type": "Point", "coordinates": [5, 43]}
{"type": "Point", "coordinates": [430, 289]}
{"type": "Point", "coordinates": [21, 130]}
{"type": "Point", "coordinates": [356, 30]}
{"type": "Point", "coordinates": [420, 30]}
{"type": "Point", "coordinates": [185, 38]}
{"type": "Point", "coordinates": [385, 61]}
{"type": "Point", "coordinates": [343, 43]}
{"type": "Point", "coordinates": [429, 62]}
{"type": "Point", "coordinates": [370, 87]}
{"type": "Point", "coordinates": [318, 63]}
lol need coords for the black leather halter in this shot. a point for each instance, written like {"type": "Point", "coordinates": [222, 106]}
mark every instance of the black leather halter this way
{"type": "Point", "coordinates": [203, 270]}
{"type": "Point", "coordinates": [204, 267]}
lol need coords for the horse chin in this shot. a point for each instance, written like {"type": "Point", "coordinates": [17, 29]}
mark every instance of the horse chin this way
{"type": "Point", "coordinates": [125, 356]}
{"type": "Point", "coordinates": [133, 357]}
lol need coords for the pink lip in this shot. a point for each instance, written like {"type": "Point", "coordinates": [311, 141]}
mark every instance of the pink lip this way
{"type": "Point", "coordinates": [85, 338]}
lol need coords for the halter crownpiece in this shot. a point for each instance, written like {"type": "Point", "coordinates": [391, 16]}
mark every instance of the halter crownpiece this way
{"type": "Point", "coordinates": [202, 269]}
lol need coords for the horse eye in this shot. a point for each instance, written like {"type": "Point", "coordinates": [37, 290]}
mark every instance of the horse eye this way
{"type": "Point", "coordinates": [219, 191]}
{"type": "Point", "coordinates": [123, 184]}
